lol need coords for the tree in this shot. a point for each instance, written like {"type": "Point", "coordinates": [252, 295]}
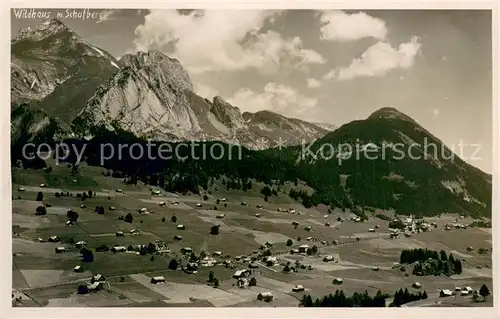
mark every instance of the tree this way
{"type": "Point", "coordinates": [173, 264]}
{"type": "Point", "coordinates": [82, 289]}
{"type": "Point", "coordinates": [205, 197]}
{"type": "Point", "coordinates": [424, 295]}
{"type": "Point", "coordinates": [72, 215]}
{"type": "Point", "coordinates": [173, 219]}
{"type": "Point", "coordinates": [216, 282]}
{"type": "Point", "coordinates": [211, 277]}
{"type": "Point", "coordinates": [163, 220]}
{"type": "Point", "coordinates": [41, 210]}
{"type": "Point", "coordinates": [90, 194]}
{"type": "Point", "coordinates": [458, 266]}
{"type": "Point", "coordinates": [289, 242]}
{"type": "Point", "coordinates": [87, 255]}
{"type": "Point", "coordinates": [484, 291]}
{"type": "Point", "coordinates": [253, 282]}
{"type": "Point", "coordinates": [39, 197]}
{"type": "Point", "coordinates": [99, 210]}
{"type": "Point", "coordinates": [129, 218]}
{"type": "Point", "coordinates": [214, 230]}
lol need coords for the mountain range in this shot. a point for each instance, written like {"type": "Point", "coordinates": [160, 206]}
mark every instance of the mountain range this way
{"type": "Point", "coordinates": [72, 87]}
{"type": "Point", "coordinates": [64, 87]}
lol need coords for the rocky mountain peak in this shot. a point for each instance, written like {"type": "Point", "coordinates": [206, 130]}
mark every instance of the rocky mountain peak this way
{"type": "Point", "coordinates": [390, 113]}
{"type": "Point", "coordinates": [42, 31]}
{"type": "Point", "coordinates": [156, 64]}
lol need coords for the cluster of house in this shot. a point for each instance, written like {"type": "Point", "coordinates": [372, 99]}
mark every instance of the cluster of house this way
{"type": "Point", "coordinates": [463, 291]}
{"type": "Point", "coordinates": [290, 211]}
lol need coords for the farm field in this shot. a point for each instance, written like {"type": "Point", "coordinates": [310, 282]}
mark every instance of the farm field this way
{"type": "Point", "coordinates": [43, 277]}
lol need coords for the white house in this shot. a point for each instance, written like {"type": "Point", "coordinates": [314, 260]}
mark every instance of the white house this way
{"type": "Point", "coordinates": [80, 244]}
{"type": "Point", "coordinates": [156, 192]}
{"type": "Point", "coordinates": [338, 281]}
{"type": "Point", "coordinates": [116, 249]}
{"type": "Point", "coordinates": [328, 258]}
{"type": "Point", "coordinates": [53, 239]}
{"type": "Point", "coordinates": [181, 227]}
{"type": "Point", "coordinates": [162, 204]}
{"type": "Point", "coordinates": [445, 293]}
{"type": "Point", "coordinates": [157, 279]}
{"type": "Point", "coordinates": [60, 249]}
{"type": "Point", "coordinates": [241, 273]}
{"type": "Point", "coordinates": [272, 259]}
{"type": "Point", "coordinates": [119, 233]}
{"type": "Point", "coordinates": [78, 269]}
{"type": "Point", "coordinates": [416, 285]}
{"type": "Point", "coordinates": [371, 230]}
{"type": "Point", "coordinates": [112, 208]}
{"type": "Point", "coordinates": [468, 289]}
{"type": "Point", "coordinates": [198, 205]}
{"type": "Point", "coordinates": [265, 296]}
{"type": "Point", "coordinates": [298, 288]}
{"type": "Point", "coordinates": [220, 216]}
{"type": "Point", "coordinates": [303, 248]}
{"type": "Point", "coordinates": [257, 215]}
{"type": "Point", "coordinates": [21, 189]}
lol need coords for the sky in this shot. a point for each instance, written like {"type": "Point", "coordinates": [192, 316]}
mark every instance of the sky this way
{"type": "Point", "coordinates": [322, 66]}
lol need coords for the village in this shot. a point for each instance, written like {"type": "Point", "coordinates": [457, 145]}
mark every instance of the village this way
{"type": "Point", "coordinates": [136, 245]}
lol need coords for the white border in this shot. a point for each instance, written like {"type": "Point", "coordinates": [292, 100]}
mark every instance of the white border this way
{"type": "Point", "coordinates": [6, 205]}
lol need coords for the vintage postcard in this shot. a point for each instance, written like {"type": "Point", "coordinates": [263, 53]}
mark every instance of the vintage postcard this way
{"type": "Point", "coordinates": [265, 158]}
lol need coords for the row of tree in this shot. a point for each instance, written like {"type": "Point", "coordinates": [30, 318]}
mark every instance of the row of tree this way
{"type": "Point", "coordinates": [401, 297]}
{"type": "Point", "coordinates": [339, 299]}
{"type": "Point", "coordinates": [430, 262]}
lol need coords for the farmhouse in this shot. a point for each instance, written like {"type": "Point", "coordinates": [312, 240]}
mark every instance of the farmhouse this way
{"type": "Point", "coordinates": [470, 248]}
{"type": "Point", "coordinates": [182, 227]}
{"type": "Point", "coordinates": [98, 277]}
{"type": "Point", "coordinates": [80, 244]}
{"type": "Point", "coordinates": [21, 189]}
{"type": "Point", "coordinates": [198, 205]}
{"type": "Point", "coordinates": [244, 204]}
{"type": "Point", "coordinates": [60, 249]}
{"type": "Point", "coordinates": [112, 208]}
{"type": "Point", "coordinates": [83, 206]}
{"type": "Point", "coordinates": [177, 237]}
{"type": "Point", "coordinates": [307, 228]}
{"type": "Point", "coordinates": [186, 250]}
{"type": "Point", "coordinates": [371, 230]}
{"type": "Point", "coordinates": [271, 260]}
{"type": "Point", "coordinates": [325, 216]}
{"type": "Point", "coordinates": [295, 223]}
{"type": "Point", "coordinates": [416, 285]}
{"type": "Point", "coordinates": [335, 242]}
{"type": "Point", "coordinates": [298, 288]}
{"type": "Point", "coordinates": [175, 203]}
{"type": "Point", "coordinates": [257, 215]}
{"type": "Point", "coordinates": [42, 185]}
{"type": "Point", "coordinates": [119, 234]}
{"type": "Point", "coordinates": [70, 223]}
{"type": "Point", "coordinates": [375, 268]}
{"type": "Point", "coordinates": [291, 211]}
{"type": "Point", "coordinates": [468, 289]}
{"type": "Point", "coordinates": [265, 296]}
{"type": "Point", "coordinates": [119, 190]}
{"type": "Point", "coordinates": [78, 269]}
{"type": "Point", "coordinates": [220, 216]}
{"type": "Point", "coordinates": [241, 273]}
{"type": "Point", "coordinates": [445, 293]}
{"type": "Point", "coordinates": [259, 206]}
{"type": "Point", "coordinates": [338, 281]}
{"type": "Point", "coordinates": [156, 192]}
{"type": "Point", "coordinates": [116, 249]}
{"type": "Point", "coordinates": [223, 199]}
{"type": "Point", "coordinates": [157, 280]}
{"type": "Point", "coordinates": [134, 231]}
{"type": "Point", "coordinates": [217, 254]}
{"type": "Point", "coordinates": [162, 204]}
{"type": "Point", "coordinates": [328, 258]}
{"type": "Point", "coordinates": [303, 248]}
{"type": "Point", "coordinates": [54, 239]}
{"type": "Point", "coordinates": [464, 293]}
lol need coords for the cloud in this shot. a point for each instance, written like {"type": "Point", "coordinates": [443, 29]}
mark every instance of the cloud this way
{"type": "Point", "coordinates": [205, 91]}
{"type": "Point", "coordinates": [381, 58]}
{"type": "Point", "coordinates": [215, 40]}
{"type": "Point", "coordinates": [342, 26]}
{"type": "Point", "coordinates": [313, 83]}
{"type": "Point", "coordinates": [275, 97]}
{"type": "Point", "coordinates": [108, 14]}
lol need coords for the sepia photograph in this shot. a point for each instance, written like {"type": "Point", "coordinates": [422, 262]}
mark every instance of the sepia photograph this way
{"type": "Point", "coordinates": [305, 158]}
